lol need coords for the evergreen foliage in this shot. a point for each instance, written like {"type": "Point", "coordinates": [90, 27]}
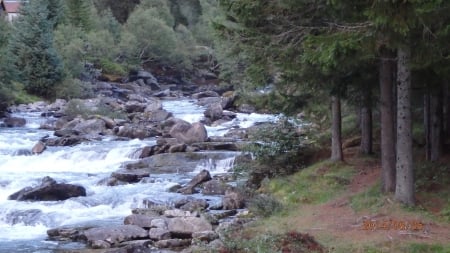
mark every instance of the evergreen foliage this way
{"type": "Point", "coordinates": [31, 44]}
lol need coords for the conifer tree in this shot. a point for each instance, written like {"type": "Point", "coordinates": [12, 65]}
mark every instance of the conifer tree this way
{"type": "Point", "coordinates": [31, 47]}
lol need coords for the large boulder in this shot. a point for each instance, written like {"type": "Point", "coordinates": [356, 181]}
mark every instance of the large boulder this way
{"type": "Point", "coordinates": [205, 94]}
{"type": "Point", "coordinates": [113, 235]}
{"type": "Point", "coordinates": [14, 122]}
{"type": "Point", "coordinates": [157, 115]}
{"type": "Point", "coordinates": [189, 133]}
{"type": "Point", "coordinates": [233, 199]}
{"type": "Point", "coordinates": [48, 190]}
{"type": "Point", "coordinates": [91, 127]}
{"type": "Point", "coordinates": [182, 227]}
{"type": "Point", "coordinates": [136, 131]}
{"type": "Point", "coordinates": [143, 221]}
{"type": "Point", "coordinates": [214, 112]}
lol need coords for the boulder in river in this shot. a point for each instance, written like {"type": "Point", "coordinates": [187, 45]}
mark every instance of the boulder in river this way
{"type": "Point", "coordinates": [189, 133]}
{"type": "Point", "coordinates": [48, 190]}
{"type": "Point", "coordinates": [14, 122]}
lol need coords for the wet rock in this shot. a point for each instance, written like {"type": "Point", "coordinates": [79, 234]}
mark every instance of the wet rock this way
{"type": "Point", "coordinates": [14, 122]}
{"type": "Point", "coordinates": [65, 141]}
{"type": "Point", "coordinates": [175, 162]}
{"type": "Point", "coordinates": [91, 127]}
{"type": "Point", "coordinates": [38, 148]}
{"type": "Point", "coordinates": [143, 221]}
{"type": "Point", "coordinates": [22, 152]}
{"type": "Point", "coordinates": [136, 132]}
{"type": "Point", "coordinates": [130, 176]}
{"type": "Point", "coordinates": [66, 132]}
{"type": "Point", "coordinates": [201, 177]}
{"type": "Point", "coordinates": [233, 199]}
{"type": "Point", "coordinates": [189, 133]}
{"type": "Point", "coordinates": [177, 148]}
{"type": "Point", "coordinates": [229, 146]}
{"type": "Point", "coordinates": [114, 235]}
{"type": "Point", "coordinates": [195, 205]}
{"type": "Point", "coordinates": [171, 213]}
{"type": "Point", "coordinates": [205, 94]}
{"type": "Point", "coordinates": [209, 101]}
{"type": "Point", "coordinates": [214, 112]}
{"type": "Point", "coordinates": [48, 190]}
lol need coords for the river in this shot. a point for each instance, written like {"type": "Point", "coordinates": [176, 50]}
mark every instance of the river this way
{"type": "Point", "coordinates": [23, 225]}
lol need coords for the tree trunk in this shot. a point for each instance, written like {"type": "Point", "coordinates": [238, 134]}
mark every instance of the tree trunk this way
{"type": "Point", "coordinates": [336, 140]}
{"type": "Point", "coordinates": [387, 73]}
{"type": "Point", "coordinates": [366, 123]}
{"type": "Point", "coordinates": [404, 190]}
{"type": "Point", "coordinates": [427, 123]}
{"type": "Point", "coordinates": [436, 115]}
{"type": "Point", "coordinates": [446, 112]}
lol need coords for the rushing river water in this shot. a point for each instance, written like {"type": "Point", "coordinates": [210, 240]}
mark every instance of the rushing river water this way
{"type": "Point", "coordinates": [23, 225]}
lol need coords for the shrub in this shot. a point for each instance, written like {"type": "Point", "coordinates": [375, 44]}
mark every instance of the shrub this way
{"type": "Point", "coordinates": [74, 88]}
{"type": "Point", "coordinates": [264, 205]}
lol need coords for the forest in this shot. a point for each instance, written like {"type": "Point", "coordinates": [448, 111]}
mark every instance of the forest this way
{"type": "Point", "coordinates": [385, 64]}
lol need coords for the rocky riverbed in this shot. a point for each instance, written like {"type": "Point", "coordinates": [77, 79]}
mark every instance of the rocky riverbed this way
{"type": "Point", "coordinates": [122, 112]}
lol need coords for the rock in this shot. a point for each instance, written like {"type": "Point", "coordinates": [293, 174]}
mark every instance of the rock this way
{"type": "Point", "coordinates": [176, 162]}
{"type": "Point", "coordinates": [177, 148]}
{"type": "Point", "coordinates": [38, 148]}
{"type": "Point", "coordinates": [136, 132]}
{"type": "Point", "coordinates": [14, 122]}
{"type": "Point", "coordinates": [130, 176]}
{"type": "Point", "coordinates": [182, 227]}
{"type": "Point", "coordinates": [230, 146]}
{"type": "Point", "coordinates": [163, 93]}
{"type": "Point", "coordinates": [66, 132]}
{"type": "Point", "coordinates": [246, 108]}
{"type": "Point", "coordinates": [153, 104]}
{"type": "Point", "coordinates": [159, 234]}
{"type": "Point", "coordinates": [214, 111]}
{"type": "Point", "coordinates": [48, 190]}
{"type": "Point", "coordinates": [159, 223]}
{"type": "Point", "coordinates": [205, 236]}
{"type": "Point", "coordinates": [215, 187]}
{"type": "Point", "coordinates": [173, 243]}
{"type": "Point", "coordinates": [114, 235]}
{"type": "Point", "coordinates": [133, 106]}
{"type": "Point", "coordinates": [209, 101]}
{"type": "Point", "coordinates": [205, 94]}
{"type": "Point", "coordinates": [227, 102]}
{"type": "Point", "coordinates": [189, 133]}
{"type": "Point", "coordinates": [91, 127]}
{"type": "Point", "coordinates": [143, 221]}
{"type": "Point", "coordinates": [233, 199]}
{"type": "Point", "coordinates": [179, 213]}
{"type": "Point", "coordinates": [65, 141]}
{"type": "Point", "coordinates": [158, 115]}
{"type": "Point", "coordinates": [201, 177]}
{"type": "Point", "coordinates": [22, 152]}
{"type": "Point", "coordinates": [195, 205]}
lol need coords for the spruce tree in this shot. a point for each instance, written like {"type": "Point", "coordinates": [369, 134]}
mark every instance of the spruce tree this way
{"type": "Point", "coordinates": [31, 47]}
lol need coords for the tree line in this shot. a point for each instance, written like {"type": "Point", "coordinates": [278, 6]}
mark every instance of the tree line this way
{"type": "Point", "coordinates": [370, 52]}
{"type": "Point", "coordinates": [46, 49]}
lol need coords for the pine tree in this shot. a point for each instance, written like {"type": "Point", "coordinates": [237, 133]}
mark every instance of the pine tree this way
{"type": "Point", "coordinates": [78, 13]}
{"type": "Point", "coordinates": [31, 45]}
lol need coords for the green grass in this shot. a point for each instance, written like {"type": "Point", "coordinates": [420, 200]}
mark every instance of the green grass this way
{"type": "Point", "coordinates": [371, 199]}
{"type": "Point", "coordinates": [312, 185]}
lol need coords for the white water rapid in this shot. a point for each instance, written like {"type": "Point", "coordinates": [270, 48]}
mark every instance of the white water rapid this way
{"type": "Point", "coordinates": [23, 225]}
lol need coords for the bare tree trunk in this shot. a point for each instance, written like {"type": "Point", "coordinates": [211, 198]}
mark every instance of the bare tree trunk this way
{"type": "Point", "coordinates": [336, 140]}
{"type": "Point", "coordinates": [404, 190]}
{"type": "Point", "coordinates": [366, 123]}
{"type": "Point", "coordinates": [387, 73]}
{"type": "Point", "coordinates": [427, 123]}
{"type": "Point", "coordinates": [436, 115]}
{"type": "Point", "coordinates": [446, 112]}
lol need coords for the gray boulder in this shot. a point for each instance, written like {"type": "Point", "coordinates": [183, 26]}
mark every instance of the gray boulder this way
{"type": "Point", "coordinates": [48, 190]}
{"type": "Point", "coordinates": [189, 134]}
{"type": "Point", "coordinates": [233, 199]}
{"type": "Point", "coordinates": [201, 177]}
{"type": "Point", "coordinates": [205, 94]}
{"type": "Point", "coordinates": [182, 227]}
{"type": "Point", "coordinates": [113, 235]}
{"type": "Point", "coordinates": [38, 148]}
{"type": "Point", "coordinates": [143, 221]}
{"type": "Point", "coordinates": [14, 122]}
{"type": "Point", "coordinates": [214, 111]}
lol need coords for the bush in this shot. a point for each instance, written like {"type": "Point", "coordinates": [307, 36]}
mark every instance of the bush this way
{"type": "Point", "coordinates": [264, 205]}
{"type": "Point", "coordinates": [74, 88]}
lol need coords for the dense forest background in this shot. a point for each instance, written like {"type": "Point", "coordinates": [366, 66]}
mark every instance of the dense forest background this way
{"type": "Point", "coordinates": [386, 60]}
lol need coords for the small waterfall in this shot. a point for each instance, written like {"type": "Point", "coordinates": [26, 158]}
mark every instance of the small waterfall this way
{"type": "Point", "coordinates": [216, 166]}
